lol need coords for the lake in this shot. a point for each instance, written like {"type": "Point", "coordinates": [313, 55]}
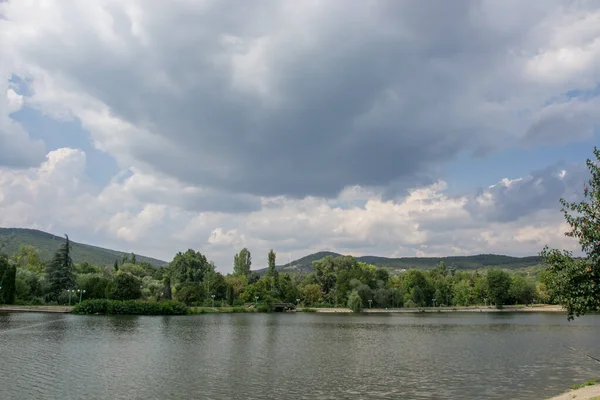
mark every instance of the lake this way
{"type": "Point", "coordinates": [295, 356]}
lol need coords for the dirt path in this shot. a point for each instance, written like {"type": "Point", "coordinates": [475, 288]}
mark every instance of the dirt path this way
{"type": "Point", "coordinates": [585, 393]}
{"type": "Point", "coordinates": [41, 309]}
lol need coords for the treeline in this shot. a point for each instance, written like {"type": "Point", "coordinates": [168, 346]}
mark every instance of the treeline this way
{"type": "Point", "coordinates": [192, 279]}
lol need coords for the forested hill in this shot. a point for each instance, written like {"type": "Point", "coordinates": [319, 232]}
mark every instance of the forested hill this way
{"type": "Point", "coordinates": [47, 244]}
{"type": "Point", "coordinates": [304, 264]}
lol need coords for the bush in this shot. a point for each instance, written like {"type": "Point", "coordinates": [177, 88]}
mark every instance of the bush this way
{"type": "Point", "coordinates": [124, 287]}
{"type": "Point", "coordinates": [130, 307]}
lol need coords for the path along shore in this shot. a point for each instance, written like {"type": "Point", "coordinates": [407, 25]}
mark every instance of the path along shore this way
{"type": "Point", "coordinates": [536, 308]}
{"type": "Point", "coordinates": [39, 309]}
{"type": "Point", "coordinates": [584, 393]}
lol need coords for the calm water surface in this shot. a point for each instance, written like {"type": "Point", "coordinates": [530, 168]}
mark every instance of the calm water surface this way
{"type": "Point", "coordinates": [295, 356]}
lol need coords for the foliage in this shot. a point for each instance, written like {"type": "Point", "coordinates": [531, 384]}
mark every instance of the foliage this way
{"type": "Point", "coordinates": [498, 286]}
{"type": "Point", "coordinates": [28, 257]}
{"type": "Point", "coordinates": [312, 294]}
{"type": "Point", "coordinates": [124, 287]}
{"type": "Point", "coordinates": [60, 271]}
{"type": "Point", "coordinates": [521, 291]}
{"type": "Point", "coordinates": [28, 285]}
{"type": "Point", "coordinates": [190, 292]}
{"type": "Point", "coordinates": [355, 302]}
{"type": "Point", "coordinates": [130, 307]}
{"type": "Point", "coordinates": [242, 263]}
{"type": "Point", "coordinates": [190, 266]}
{"type": "Point", "coordinates": [8, 275]}
{"type": "Point", "coordinates": [95, 285]}
{"type": "Point", "coordinates": [575, 283]}
{"type": "Point", "coordinates": [272, 271]}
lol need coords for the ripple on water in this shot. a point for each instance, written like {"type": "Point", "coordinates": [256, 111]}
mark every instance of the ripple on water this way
{"type": "Point", "coordinates": [294, 356]}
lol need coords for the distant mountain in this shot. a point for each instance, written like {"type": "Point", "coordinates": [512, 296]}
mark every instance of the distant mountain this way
{"type": "Point", "coordinates": [304, 264]}
{"type": "Point", "coordinates": [47, 244]}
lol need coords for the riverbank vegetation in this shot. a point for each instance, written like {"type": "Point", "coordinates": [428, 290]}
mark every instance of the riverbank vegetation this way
{"type": "Point", "coordinates": [192, 280]}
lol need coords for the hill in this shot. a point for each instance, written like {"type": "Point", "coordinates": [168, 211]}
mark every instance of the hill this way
{"type": "Point", "coordinates": [304, 264]}
{"type": "Point", "coordinates": [47, 244]}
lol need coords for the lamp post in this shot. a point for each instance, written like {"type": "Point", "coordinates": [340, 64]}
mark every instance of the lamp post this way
{"type": "Point", "coordinates": [297, 302]}
{"type": "Point", "coordinates": [81, 292]}
{"type": "Point", "coordinates": [370, 301]}
{"type": "Point", "coordinates": [213, 299]}
{"type": "Point", "coordinates": [71, 291]}
{"type": "Point", "coordinates": [433, 300]}
{"type": "Point", "coordinates": [255, 301]}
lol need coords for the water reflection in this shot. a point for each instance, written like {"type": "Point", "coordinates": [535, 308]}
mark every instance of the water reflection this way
{"type": "Point", "coordinates": [252, 356]}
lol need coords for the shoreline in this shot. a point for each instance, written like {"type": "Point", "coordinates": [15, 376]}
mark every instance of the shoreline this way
{"type": "Point", "coordinates": [38, 309]}
{"type": "Point", "coordinates": [420, 310]}
{"type": "Point", "coordinates": [472, 309]}
{"type": "Point", "coordinates": [591, 392]}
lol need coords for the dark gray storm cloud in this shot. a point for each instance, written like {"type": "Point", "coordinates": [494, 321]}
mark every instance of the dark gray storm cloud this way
{"type": "Point", "coordinates": [299, 98]}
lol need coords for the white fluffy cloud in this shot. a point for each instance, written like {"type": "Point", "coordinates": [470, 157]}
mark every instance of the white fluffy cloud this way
{"type": "Point", "coordinates": [426, 222]}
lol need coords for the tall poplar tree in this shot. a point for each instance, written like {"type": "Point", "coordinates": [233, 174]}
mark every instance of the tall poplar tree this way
{"type": "Point", "coordinates": [242, 263]}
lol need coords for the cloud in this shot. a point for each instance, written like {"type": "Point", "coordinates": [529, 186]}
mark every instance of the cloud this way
{"type": "Point", "coordinates": [515, 216]}
{"type": "Point", "coordinates": [16, 149]}
{"type": "Point", "coordinates": [510, 200]}
{"type": "Point", "coordinates": [306, 98]}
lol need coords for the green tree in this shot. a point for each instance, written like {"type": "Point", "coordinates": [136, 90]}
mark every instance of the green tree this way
{"type": "Point", "coordinates": [116, 265]}
{"type": "Point", "coordinates": [575, 282]}
{"type": "Point", "coordinates": [355, 302]}
{"type": "Point", "coordinates": [325, 272]}
{"type": "Point", "coordinates": [8, 278]}
{"type": "Point", "coordinates": [124, 287]}
{"type": "Point", "coordinates": [272, 271]}
{"type": "Point", "coordinates": [498, 286]}
{"type": "Point", "coordinates": [190, 266]}
{"type": "Point", "coordinates": [59, 271]}
{"type": "Point", "coordinates": [27, 257]}
{"type": "Point", "coordinates": [311, 294]}
{"type": "Point", "coordinates": [521, 291]}
{"type": "Point", "coordinates": [242, 263]}
{"type": "Point", "coordinates": [132, 258]}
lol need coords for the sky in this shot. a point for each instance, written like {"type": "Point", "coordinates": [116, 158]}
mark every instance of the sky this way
{"type": "Point", "coordinates": [391, 128]}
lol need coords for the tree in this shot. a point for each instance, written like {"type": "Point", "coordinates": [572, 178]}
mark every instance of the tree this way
{"type": "Point", "coordinates": [575, 282]}
{"type": "Point", "coordinates": [8, 277]}
{"type": "Point", "coordinates": [59, 271]}
{"type": "Point", "coordinates": [116, 265]}
{"type": "Point", "coordinates": [124, 287]}
{"type": "Point", "coordinates": [27, 257]}
{"type": "Point", "coordinates": [498, 286]}
{"type": "Point", "coordinates": [312, 294]}
{"type": "Point", "coordinates": [242, 262]}
{"type": "Point", "coordinates": [521, 291]}
{"type": "Point", "coordinates": [272, 272]}
{"type": "Point", "coordinates": [132, 258]}
{"type": "Point", "coordinates": [325, 273]}
{"type": "Point", "coordinates": [355, 302]}
{"type": "Point", "coordinates": [190, 266]}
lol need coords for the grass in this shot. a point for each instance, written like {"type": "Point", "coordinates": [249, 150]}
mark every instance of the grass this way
{"type": "Point", "coordinates": [591, 382]}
